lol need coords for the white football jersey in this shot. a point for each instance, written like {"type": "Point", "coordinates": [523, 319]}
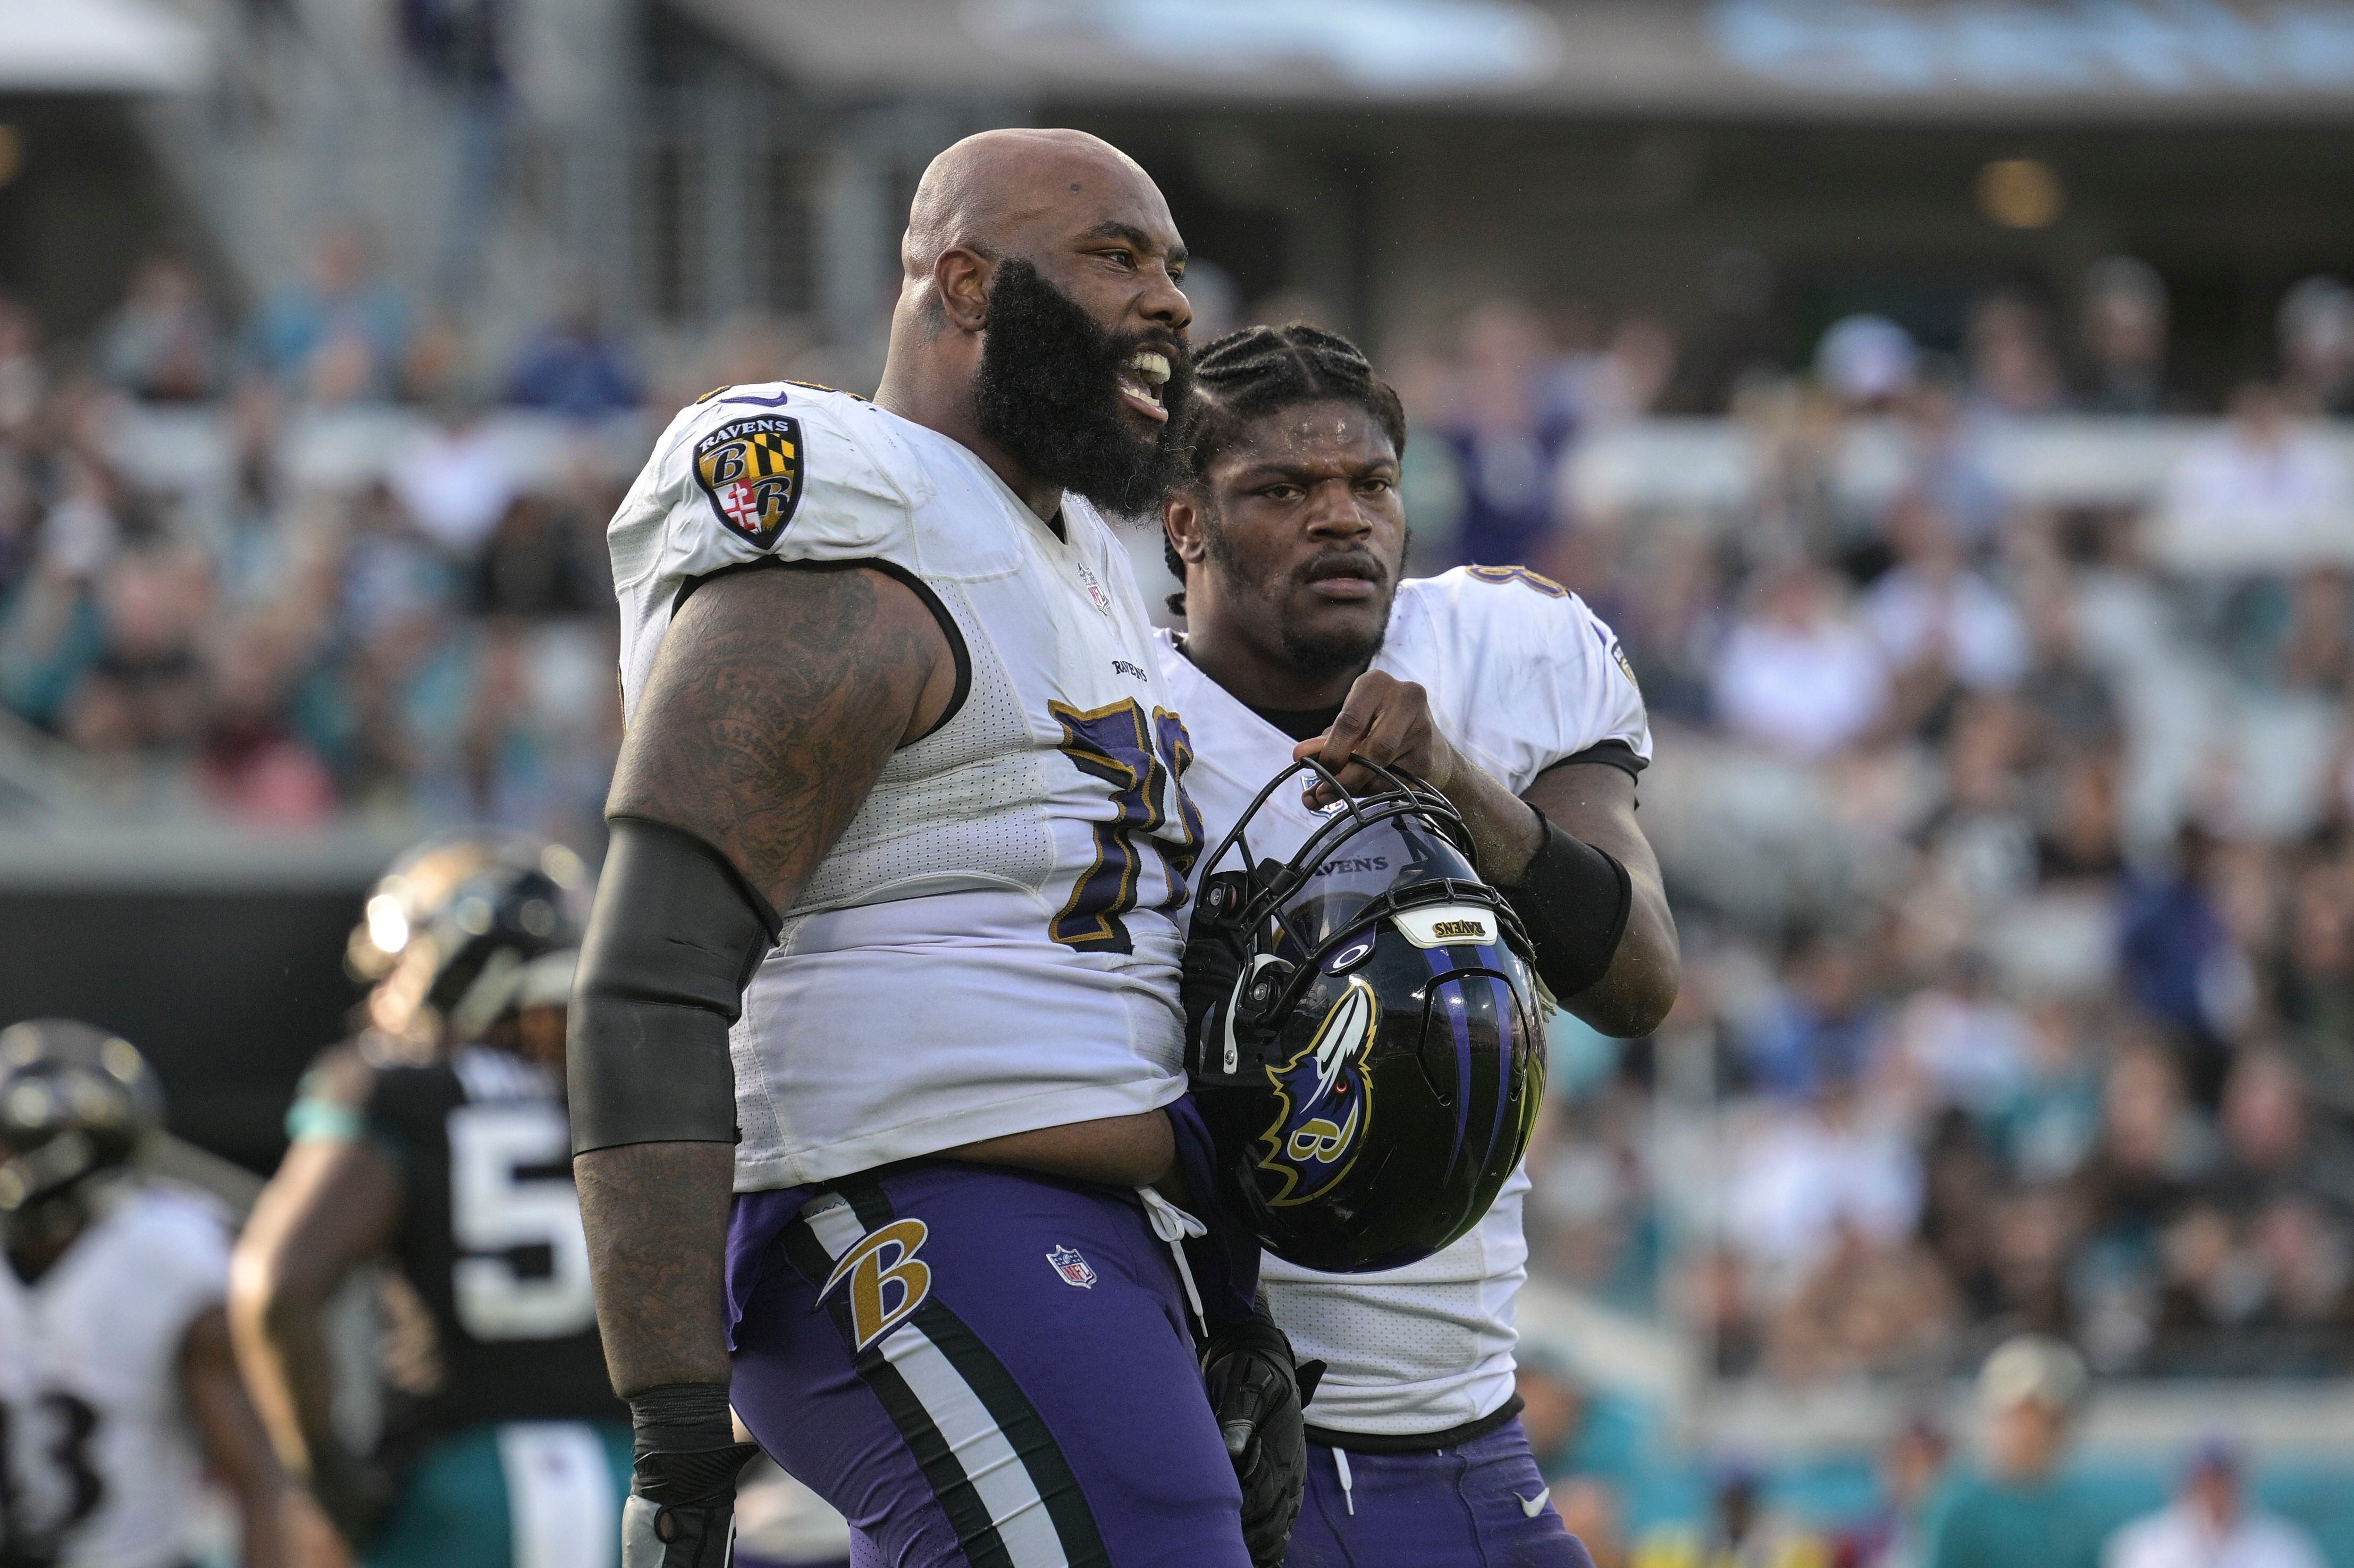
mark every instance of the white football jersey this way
{"type": "Point", "coordinates": [101, 1449]}
{"type": "Point", "coordinates": [992, 945]}
{"type": "Point", "coordinates": [1521, 675]}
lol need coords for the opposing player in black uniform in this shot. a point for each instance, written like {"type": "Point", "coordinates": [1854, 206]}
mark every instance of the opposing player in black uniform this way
{"type": "Point", "coordinates": [439, 1139]}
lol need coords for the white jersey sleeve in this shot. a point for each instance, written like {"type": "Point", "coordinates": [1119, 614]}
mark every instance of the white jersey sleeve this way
{"type": "Point", "coordinates": [771, 472]}
{"type": "Point", "coordinates": [1520, 671]}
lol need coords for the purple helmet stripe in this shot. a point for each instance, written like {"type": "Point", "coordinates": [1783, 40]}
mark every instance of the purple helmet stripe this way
{"type": "Point", "coordinates": [1442, 962]}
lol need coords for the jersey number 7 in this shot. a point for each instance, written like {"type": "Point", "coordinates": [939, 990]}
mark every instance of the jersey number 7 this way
{"type": "Point", "coordinates": [1144, 761]}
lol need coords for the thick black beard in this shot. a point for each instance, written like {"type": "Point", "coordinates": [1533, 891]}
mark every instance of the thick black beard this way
{"type": "Point", "coordinates": [1048, 396]}
{"type": "Point", "coordinates": [1314, 656]}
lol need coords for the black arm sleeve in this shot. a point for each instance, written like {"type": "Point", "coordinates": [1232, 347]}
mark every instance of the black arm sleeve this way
{"type": "Point", "coordinates": [1573, 899]}
{"type": "Point", "coordinates": [673, 941]}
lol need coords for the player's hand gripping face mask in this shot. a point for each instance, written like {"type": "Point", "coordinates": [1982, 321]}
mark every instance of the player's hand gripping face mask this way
{"type": "Point", "coordinates": [1361, 1031]}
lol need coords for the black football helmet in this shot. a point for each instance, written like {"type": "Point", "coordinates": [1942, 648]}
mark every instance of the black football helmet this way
{"type": "Point", "coordinates": [451, 930]}
{"type": "Point", "coordinates": [1363, 1030]}
{"type": "Point", "coordinates": [75, 1102]}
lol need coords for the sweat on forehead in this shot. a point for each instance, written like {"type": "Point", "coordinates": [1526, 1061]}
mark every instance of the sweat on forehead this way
{"type": "Point", "coordinates": [987, 189]}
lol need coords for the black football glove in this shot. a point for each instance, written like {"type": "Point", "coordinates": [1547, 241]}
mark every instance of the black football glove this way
{"type": "Point", "coordinates": [1257, 1392]}
{"type": "Point", "coordinates": [682, 1508]}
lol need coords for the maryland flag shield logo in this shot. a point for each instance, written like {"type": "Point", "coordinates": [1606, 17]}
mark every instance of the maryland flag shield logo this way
{"type": "Point", "coordinates": [751, 470]}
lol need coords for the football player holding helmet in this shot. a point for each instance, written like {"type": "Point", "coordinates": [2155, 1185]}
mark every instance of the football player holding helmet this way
{"type": "Point", "coordinates": [1498, 690]}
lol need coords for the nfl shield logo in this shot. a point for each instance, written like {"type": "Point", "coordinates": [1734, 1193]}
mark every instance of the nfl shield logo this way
{"type": "Point", "coordinates": [1072, 1267]}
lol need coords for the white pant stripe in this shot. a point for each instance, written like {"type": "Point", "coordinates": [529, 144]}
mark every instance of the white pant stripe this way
{"type": "Point", "coordinates": [971, 1433]}
{"type": "Point", "coordinates": [560, 1499]}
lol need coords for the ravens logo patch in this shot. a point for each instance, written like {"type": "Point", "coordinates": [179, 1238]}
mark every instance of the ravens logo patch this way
{"type": "Point", "coordinates": [751, 470]}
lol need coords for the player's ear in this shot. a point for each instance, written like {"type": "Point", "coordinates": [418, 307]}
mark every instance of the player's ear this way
{"type": "Point", "coordinates": [1181, 519]}
{"type": "Point", "coordinates": [961, 279]}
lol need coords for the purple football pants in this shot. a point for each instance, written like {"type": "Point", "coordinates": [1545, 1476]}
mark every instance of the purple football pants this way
{"type": "Point", "coordinates": [1464, 1507]}
{"type": "Point", "coordinates": [980, 1368]}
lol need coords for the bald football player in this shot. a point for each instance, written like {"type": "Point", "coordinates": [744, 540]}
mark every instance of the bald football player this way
{"type": "Point", "coordinates": [898, 801]}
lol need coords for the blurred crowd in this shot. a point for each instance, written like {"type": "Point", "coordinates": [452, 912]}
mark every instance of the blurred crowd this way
{"type": "Point", "coordinates": [2015, 868]}
{"type": "Point", "coordinates": [2016, 871]}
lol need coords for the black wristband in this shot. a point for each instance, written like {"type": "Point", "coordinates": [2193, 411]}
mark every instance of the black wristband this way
{"type": "Point", "coordinates": [672, 942]}
{"type": "Point", "coordinates": [682, 1417]}
{"type": "Point", "coordinates": [685, 1452]}
{"type": "Point", "coordinates": [1574, 900]}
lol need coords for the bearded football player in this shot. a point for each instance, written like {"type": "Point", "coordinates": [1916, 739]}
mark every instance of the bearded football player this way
{"type": "Point", "coordinates": [1500, 689]}
{"type": "Point", "coordinates": [878, 1031]}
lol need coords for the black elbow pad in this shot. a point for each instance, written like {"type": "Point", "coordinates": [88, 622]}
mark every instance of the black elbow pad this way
{"type": "Point", "coordinates": [673, 941]}
{"type": "Point", "coordinates": [1574, 900]}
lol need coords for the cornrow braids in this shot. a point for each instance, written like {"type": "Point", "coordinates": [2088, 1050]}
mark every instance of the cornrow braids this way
{"type": "Point", "coordinates": [1260, 370]}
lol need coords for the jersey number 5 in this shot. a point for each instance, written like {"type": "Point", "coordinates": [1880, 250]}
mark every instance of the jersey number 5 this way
{"type": "Point", "coordinates": [1144, 762]}
{"type": "Point", "coordinates": [522, 1266]}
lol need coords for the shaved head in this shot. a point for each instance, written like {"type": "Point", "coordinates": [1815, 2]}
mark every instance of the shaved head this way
{"type": "Point", "coordinates": [1042, 317]}
{"type": "Point", "coordinates": [990, 192]}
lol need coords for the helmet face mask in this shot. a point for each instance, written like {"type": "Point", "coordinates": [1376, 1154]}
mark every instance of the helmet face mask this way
{"type": "Point", "coordinates": [1376, 1073]}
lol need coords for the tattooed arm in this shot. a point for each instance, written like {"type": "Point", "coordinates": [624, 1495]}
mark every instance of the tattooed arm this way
{"type": "Point", "coordinates": [776, 699]}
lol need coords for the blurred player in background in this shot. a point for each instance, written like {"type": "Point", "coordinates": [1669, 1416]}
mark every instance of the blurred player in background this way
{"type": "Point", "coordinates": [1502, 689]}
{"type": "Point", "coordinates": [439, 1138]}
{"type": "Point", "coordinates": [118, 1383]}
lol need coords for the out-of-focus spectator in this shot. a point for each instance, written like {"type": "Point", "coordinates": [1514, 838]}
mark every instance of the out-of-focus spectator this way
{"type": "Point", "coordinates": [1912, 1465]}
{"type": "Point", "coordinates": [2072, 702]}
{"type": "Point", "coordinates": [457, 481]}
{"type": "Point", "coordinates": [576, 365]}
{"type": "Point", "coordinates": [2008, 350]}
{"type": "Point", "coordinates": [2048, 1130]}
{"type": "Point", "coordinates": [247, 759]}
{"type": "Point", "coordinates": [2212, 1523]}
{"type": "Point", "coordinates": [1821, 1024]}
{"type": "Point", "coordinates": [2271, 1146]}
{"type": "Point", "coordinates": [1741, 1530]}
{"type": "Point", "coordinates": [163, 343]}
{"type": "Point", "coordinates": [2316, 326]}
{"type": "Point", "coordinates": [2124, 325]}
{"type": "Point", "coordinates": [1813, 1173]}
{"type": "Point", "coordinates": [1798, 673]}
{"type": "Point", "coordinates": [1946, 461]}
{"type": "Point", "coordinates": [2263, 486]}
{"type": "Point", "coordinates": [1938, 622]}
{"type": "Point", "coordinates": [2178, 962]}
{"type": "Point", "coordinates": [1979, 841]}
{"type": "Point", "coordinates": [1865, 363]}
{"type": "Point", "coordinates": [2021, 1508]}
{"type": "Point", "coordinates": [1509, 433]}
{"type": "Point", "coordinates": [1870, 1306]}
{"type": "Point", "coordinates": [1627, 378]}
{"type": "Point", "coordinates": [145, 690]}
{"type": "Point", "coordinates": [339, 336]}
